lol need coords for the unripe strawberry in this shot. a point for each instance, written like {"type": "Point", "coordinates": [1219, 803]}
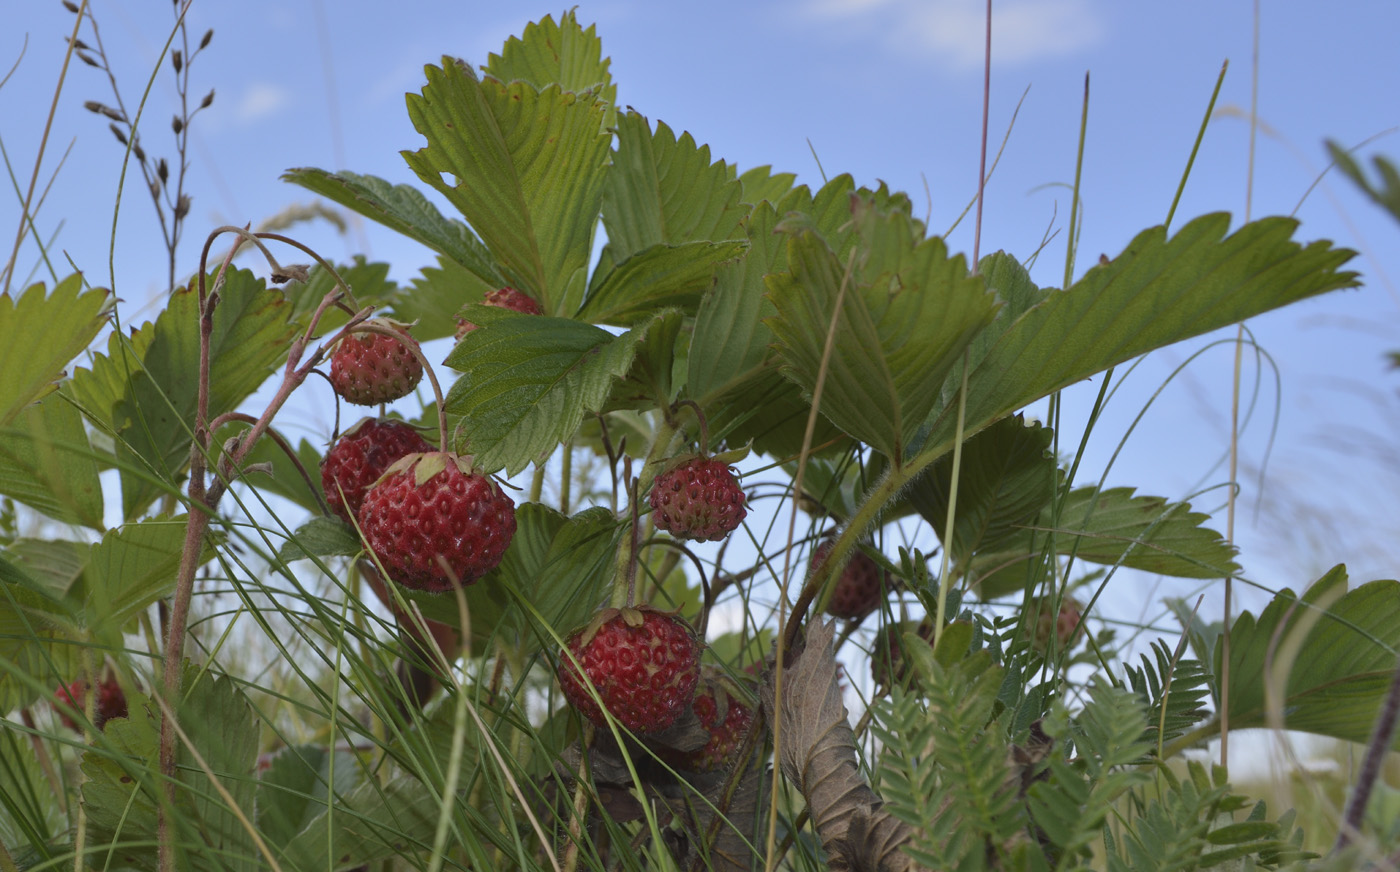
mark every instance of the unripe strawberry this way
{"type": "Point", "coordinates": [860, 589]}
{"type": "Point", "coordinates": [644, 664]}
{"type": "Point", "coordinates": [699, 499]}
{"type": "Point", "coordinates": [502, 298]}
{"type": "Point", "coordinates": [371, 368]}
{"type": "Point", "coordinates": [360, 456]}
{"type": "Point", "coordinates": [110, 703]}
{"type": "Point", "coordinates": [1065, 625]}
{"type": "Point", "coordinates": [431, 520]}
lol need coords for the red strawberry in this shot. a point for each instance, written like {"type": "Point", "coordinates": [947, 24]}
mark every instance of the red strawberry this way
{"type": "Point", "coordinates": [111, 702]}
{"type": "Point", "coordinates": [502, 298]}
{"type": "Point", "coordinates": [644, 663]}
{"type": "Point", "coordinates": [371, 368]}
{"type": "Point", "coordinates": [699, 499]}
{"type": "Point", "coordinates": [360, 456]}
{"type": "Point", "coordinates": [431, 519]}
{"type": "Point", "coordinates": [728, 721]}
{"type": "Point", "coordinates": [1066, 624]}
{"type": "Point", "coordinates": [860, 589]}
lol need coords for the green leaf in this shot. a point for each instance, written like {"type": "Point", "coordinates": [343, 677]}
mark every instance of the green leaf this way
{"type": "Point", "coordinates": [321, 536]}
{"type": "Point", "coordinates": [131, 568]}
{"type": "Point", "coordinates": [762, 184]}
{"type": "Point", "coordinates": [1157, 292]}
{"type": "Point", "coordinates": [1111, 527]}
{"type": "Point", "coordinates": [293, 790]}
{"type": "Point", "coordinates": [527, 170]}
{"type": "Point", "coordinates": [1008, 476]}
{"type": "Point", "coordinates": [436, 295]}
{"type": "Point", "coordinates": [564, 54]}
{"type": "Point", "coordinates": [527, 381]}
{"type": "Point", "coordinates": [42, 333]}
{"type": "Point", "coordinates": [402, 208]}
{"type": "Point", "coordinates": [656, 278]}
{"type": "Point", "coordinates": [664, 190]}
{"type": "Point", "coordinates": [144, 390]}
{"type": "Point", "coordinates": [36, 625]}
{"type": "Point", "coordinates": [374, 822]}
{"type": "Point", "coordinates": [651, 382]}
{"type": "Point", "coordinates": [1332, 654]}
{"type": "Point", "coordinates": [903, 321]}
{"type": "Point", "coordinates": [121, 785]}
{"type": "Point", "coordinates": [284, 480]}
{"type": "Point", "coordinates": [1387, 194]}
{"type": "Point", "coordinates": [369, 282]}
{"type": "Point", "coordinates": [47, 463]}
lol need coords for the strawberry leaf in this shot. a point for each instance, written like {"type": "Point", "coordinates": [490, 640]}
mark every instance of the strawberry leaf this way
{"type": "Point", "coordinates": [665, 190]}
{"type": "Point", "coordinates": [47, 463]}
{"type": "Point", "coordinates": [404, 209]}
{"type": "Point", "coordinates": [656, 278]}
{"type": "Point", "coordinates": [527, 381]}
{"type": "Point", "coordinates": [292, 792]}
{"type": "Point", "coordinates": [1160, 290]}
{"type": "Point", "coordinates": [321, 536]}
{"type": "Point", "coordinates": [43, 332]}
{"type": "Point", "coordinates": [436, 295]}
{"type": "Point", "coordinates": [564, 54]}
{"type": "Point", "coordinates": [1329, 654]}
{"type": "Point", "coordinates": [526, 170]}
{"type": "Point", "coordinates": [762, 184]}
{"type": "Point", "coordinates": [369, 282]}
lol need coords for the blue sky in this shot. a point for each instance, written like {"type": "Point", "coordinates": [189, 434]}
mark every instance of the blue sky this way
{"type": "Point", "coordinates": [885, 90]}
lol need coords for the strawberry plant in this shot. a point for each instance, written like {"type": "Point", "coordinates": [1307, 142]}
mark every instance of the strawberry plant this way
{"type": "Point", "coordinates": [525, 642]}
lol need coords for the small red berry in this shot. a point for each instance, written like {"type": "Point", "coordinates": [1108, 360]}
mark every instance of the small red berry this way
{"type": "Point", "coordinates": [431, 520]}
{"type": "Point", "coordinates": [502, 298]}
{"type": "Point", "coordinates": [727, 720]}
{"type": "Point", "coordinates": [371, 368]}
{"type": "Point", "coordinates": [360, 456]}
{"type": "Point", "coordinates": [1066, 624]}
{"type": "Point", "coordinates": [110, 703]}
{"type": "Point", "coordinates": [860, 589]}
{"type": "Point", "coordinates": [699, 499]}
{"type": "Point", "coordinates": [644, 663]}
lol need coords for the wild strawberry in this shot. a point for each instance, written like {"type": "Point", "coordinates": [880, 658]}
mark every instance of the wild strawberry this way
{"type": "Point", "coordinates": [502, 298]}
{"type": "Point", "coordinates": [644, 663]}
{"type": "Point", "coordinates": [698, 499]}
{"type": "Point", "coordinates": [360, 456]}
{"type": "Point", "coordinates": [860, 589]}
{"type": "Point", "coordinates": [1066, 625]}
{"type": "Point", "coordinates": [430, 519]}
{"type": "Point", "coordinates": [726, 718]}
{"type": "Point", "coordinates": [887, 660]}
{"type": "Point", "coordinates": [371, 368]}
{"type": "Point", "coordinates": [110, 703]}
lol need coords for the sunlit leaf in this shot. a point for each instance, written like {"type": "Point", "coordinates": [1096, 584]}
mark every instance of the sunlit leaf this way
{"type": "Point", "coordinates": [47, 463]}
{"type": "Point", "coordinates": [42, 333]}
{"type": "Point", "coordinates": [655, 278]}
{"type": "Point", "coordinates": [565, 54]}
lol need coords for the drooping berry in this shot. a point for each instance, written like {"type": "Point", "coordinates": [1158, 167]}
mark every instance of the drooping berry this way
{"type": "Point", "coordinates": [644, 664]}
{"type": "Point", "coordinates": [371, 368]}
{"type": "Point", "coordinates": [699, 499]}
{"type": "Point", "coordinates": [502, 298]}
{"type": "Point", "coordinates": [1065, 625]}
{"type": "Point", "coordinates": [360, 456]}
{"type": "Point", "coordinates": [110, 702]}
{"type": "Point", "coordinates": [430, 519]}
{"type": "Point", "coordinates": [860, 589]}
{"type": "Point", "coordinates": [726, 718]}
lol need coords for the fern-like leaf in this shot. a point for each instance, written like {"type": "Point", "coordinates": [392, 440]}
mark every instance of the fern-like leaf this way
{"type": "Point", "coordinates": [1181, 689]}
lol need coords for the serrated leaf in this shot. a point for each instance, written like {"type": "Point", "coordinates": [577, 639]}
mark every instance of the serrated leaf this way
{"type": "Point", "coordinates": [436, 295]}
{"type": "Point", "coordinates": [42, 333]}
{"type": "Point", "coordinates": [285, 479]}
{"type": "Point", "coordinates": [527, 171]}
{"type": "Point", "coordinates": [36, 624]}
{"type": "Point", "coordinates": [1333, 653]}
{"type": "Point", "coordinates": [321, 537]}
{"type": "Point", "coordinates": [564, 54]}
{"type": "Point", "coordinates": [294, 789]}
{"type": "Point", "coordinates": [144, 391]}
{"type": "Point", "coordinates": [131, 568]}
{"type": "Point", "coordinates": [664, 190]}
{"type": "Point", "coordinates": [1111, 527]}
{"type": "Point", "coordinates": [1387, 194]}
{"type": "Point", "coordinates": [368, 282]}
{"type": "Point", "coordinates": [1008, 476]}
{"type": "Point", "coordinates": [651, 381]}
{"type": "Point", "coordinates": [402, 208]}
{"type": "Point", "coordinates": [527, 381]}
{"type": "Point", "coordinates": [47, 463]}
{"type": "Point", "coordinates": [762, 184]}
{"type": "Point", "coordinates": [898, 336]}
{"type": "Point", "coordinates": [656, 278]}
{"type": "Point", "coordinates": [1157, 292]}
{"type": "Point", "coordinates": [374, 822]}
{"type": "Point", "coordinates": [121, 785]}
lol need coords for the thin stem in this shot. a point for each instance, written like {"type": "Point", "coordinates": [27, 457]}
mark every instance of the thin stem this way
{"type": "Point", "coordinates": [1371, 764]}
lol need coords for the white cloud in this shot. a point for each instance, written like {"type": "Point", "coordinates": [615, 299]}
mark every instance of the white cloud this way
{"type": "Point", "coordinates": [953, 32]}
{"type": "Point", "coordinates": [260, 100]}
